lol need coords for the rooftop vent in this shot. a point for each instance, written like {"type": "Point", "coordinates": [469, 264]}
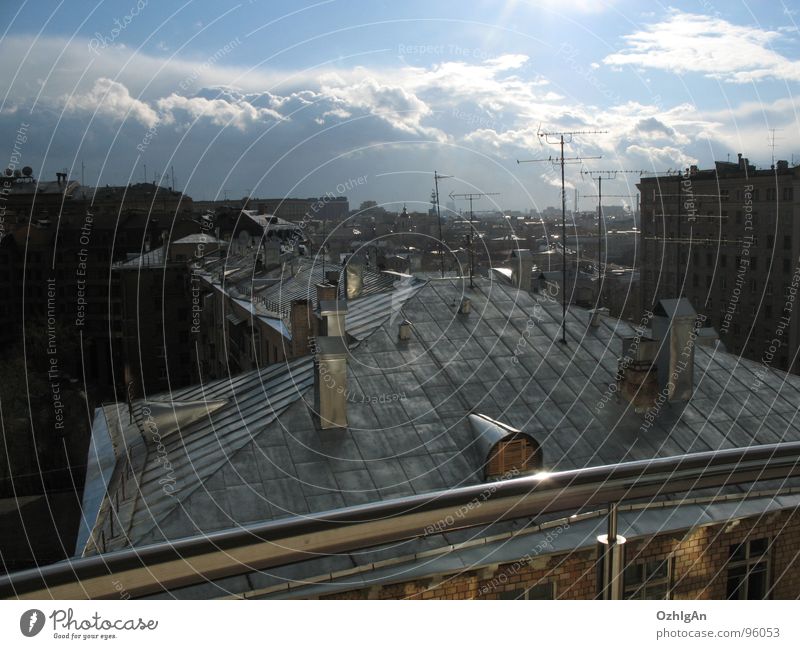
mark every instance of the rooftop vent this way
{"type": "Point", "coordinates": [466, 306]}
{"type": "Point", "coordinates": [505, 451]}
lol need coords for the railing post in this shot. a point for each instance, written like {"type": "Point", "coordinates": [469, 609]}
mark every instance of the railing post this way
{"type": "Point", "coordinates": [610, 556]}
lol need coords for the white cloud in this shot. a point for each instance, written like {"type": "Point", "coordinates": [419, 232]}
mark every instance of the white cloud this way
{"type": "Point", "coordinates": [712, 46]}
{"type": "Point", "coordinates": [112, 99]}
{"type": "Point", "coordinates": [221, 112]}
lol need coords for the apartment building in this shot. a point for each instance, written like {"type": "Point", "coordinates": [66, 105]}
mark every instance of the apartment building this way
{"type": "Point", "coordinates": [727, 239]}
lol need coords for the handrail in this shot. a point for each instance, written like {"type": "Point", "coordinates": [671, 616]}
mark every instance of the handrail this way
{"type": "Point", "coordinates": [169, 565]}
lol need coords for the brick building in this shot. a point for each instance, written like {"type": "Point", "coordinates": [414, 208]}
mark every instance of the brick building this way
{"type": "Point", "coordinates": [727, 239]}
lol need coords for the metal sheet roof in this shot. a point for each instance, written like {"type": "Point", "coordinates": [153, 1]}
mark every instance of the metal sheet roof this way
{"type": "Point", "coordinates": [263, 456]}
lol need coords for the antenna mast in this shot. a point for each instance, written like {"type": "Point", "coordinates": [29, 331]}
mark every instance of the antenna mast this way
{"type": "Point", "coordinates": [599, 175]}
{"type": "Point", "coordinates": [472, 196]}
{"type": "Point", "coordinates": [548, 137]}
{"type": "Point", "coordinates": [436, 178]}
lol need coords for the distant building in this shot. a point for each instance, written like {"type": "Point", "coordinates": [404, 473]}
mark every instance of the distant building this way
{"type": "Point", "coordinates": [728, 238]}
{"type": "Point", "coordinates": [333, 208]}
{"type": "Point", "coordinates": [156, 321]}
{"type": "Point", "coordinates": [66, 237]}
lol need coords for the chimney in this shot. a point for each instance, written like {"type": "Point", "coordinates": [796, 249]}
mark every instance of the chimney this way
{"type": "Point", "coordinates": [596, 314]}
{"type": "Point", "coordinates": [332, 277]}
{"type": "Point", "coordinates": [330, 381]}
{"type": "Point", "coordinates": [272, 253]}
{"type": "Point", "coordinates": [404, 330]}
{"type": "Point", "coordinates": [466, 306]}
{"type": "Point", "coordinates": [353, 278]}
{"type": "Point", "coordinates": [741, 161]}
{"type": "Point", "coordinates": [708, 337]}
{"type": "Point", "coordinates": [674, 322]}
{"type": "Point", "coordinates": [521, 268]}
{"type": "Point", "coordinates": [325, 292]}
{"type": "Point", "coordinates": [541, 283]}
{"type": "Point", "coordinates": [637, 377]}
{"type": "Point", "coordinates": [300, 321]}
{"type": "Point", "coordinates": [332, 318]}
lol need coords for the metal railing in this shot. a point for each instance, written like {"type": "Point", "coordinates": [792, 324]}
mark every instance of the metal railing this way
{"type": "Point", "coordinates": [184, 562]}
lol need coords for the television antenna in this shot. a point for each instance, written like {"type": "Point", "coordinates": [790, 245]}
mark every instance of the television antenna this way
{"type": "Point", "coordinates": [471, 196]}
{"type": "Point", "coordinates": [561, 138]}
{"type": "Point", "coordinates": [599, 175]}
{"type": "Point", "coordinates": [436, 178]}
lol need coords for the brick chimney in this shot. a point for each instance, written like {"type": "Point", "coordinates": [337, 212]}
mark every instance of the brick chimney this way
{"type": "Point", "coordinates": [325, 292]}
{"type": "Point", "coordinates": [301, 323]}
{"type": "Point", "coordinates": [637, 376]}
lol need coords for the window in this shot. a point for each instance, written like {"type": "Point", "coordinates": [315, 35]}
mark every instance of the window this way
{"type": "Point", "coordinates": [748, 570]}
{"type": "Point", "coordinates": [539, 591]}
{"type": "Point", "coordinates": [723, 261]}
{"type": "Point", "coordinates": [769, 288]}
{"type": "Point", "coordinates": [723, 283]}
{"type": "Point", "coordinates": [770, 241]}
{"type": "Point", "coordinates": [709, 259]}
{"type": "Point", "coordinates": [788, 194]}
{"type": "Point", "coordinates": [787, 242]}
{"type": "Point", "coordinates": [648, 579]}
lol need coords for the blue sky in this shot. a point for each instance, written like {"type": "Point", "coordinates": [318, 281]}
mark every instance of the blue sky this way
{"type": "Point", "coordinates": [293, 98]}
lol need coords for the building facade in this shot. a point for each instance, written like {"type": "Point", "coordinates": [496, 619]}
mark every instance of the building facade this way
{"type": "Point", "coordinates": [727, 239]}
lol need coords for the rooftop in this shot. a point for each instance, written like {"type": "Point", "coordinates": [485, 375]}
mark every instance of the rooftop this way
{"type": "Point", "coordinates": [255, 453]}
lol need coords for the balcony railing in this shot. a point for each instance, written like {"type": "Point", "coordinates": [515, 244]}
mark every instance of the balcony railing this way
{"type": "Point", "coordinates": [184, 562]}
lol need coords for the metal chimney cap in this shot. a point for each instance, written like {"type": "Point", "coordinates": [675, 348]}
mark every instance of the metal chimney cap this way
{"type": "Point", "coordinates": [332, 307]}
{"type": "Point", "coordinates": [331, 347]}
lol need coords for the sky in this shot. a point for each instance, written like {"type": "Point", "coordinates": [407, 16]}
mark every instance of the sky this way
{"type": "Point", "coordinates": [275, 99]}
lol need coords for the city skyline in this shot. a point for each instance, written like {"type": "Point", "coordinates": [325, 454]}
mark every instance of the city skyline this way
{"type": "Point", "coordinates": [131, 92]}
